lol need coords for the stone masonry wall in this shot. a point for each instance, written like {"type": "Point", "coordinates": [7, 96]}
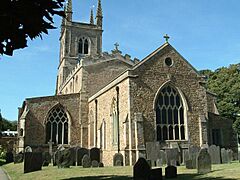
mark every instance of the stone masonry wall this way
{"type": "Point", "coordinates": [38, 111]}
{"type": "Point", "coordinates": [152, 75]}
{"type": "Point", "coordinates": [104, 102]}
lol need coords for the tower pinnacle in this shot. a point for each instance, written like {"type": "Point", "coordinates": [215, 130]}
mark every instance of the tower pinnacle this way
{"type": "Point", "coordinates": [91, 17]}
{"type": "Point", "coordinates": [99, 16]}
{"type": "Point", "coordinates": [69, 11]}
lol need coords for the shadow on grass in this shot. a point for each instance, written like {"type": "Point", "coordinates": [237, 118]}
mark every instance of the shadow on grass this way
{"type": "Point", "coordinates": [100, 177]}
{"type": "Point", "coordinates": [199, 177]}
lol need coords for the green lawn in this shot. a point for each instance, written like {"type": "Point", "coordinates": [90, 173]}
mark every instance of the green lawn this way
{"type": "Point", "coordinates": [219, 172]}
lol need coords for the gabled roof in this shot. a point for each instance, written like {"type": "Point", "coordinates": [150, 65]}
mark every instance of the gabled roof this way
{"type": "Point", "coordinates": [158, 50]}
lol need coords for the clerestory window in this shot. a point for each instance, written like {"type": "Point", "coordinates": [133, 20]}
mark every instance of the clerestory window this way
{"type": "Point", "coordinates": [170, 115]}
{"type": "Point", "coordinates": [57, 126]}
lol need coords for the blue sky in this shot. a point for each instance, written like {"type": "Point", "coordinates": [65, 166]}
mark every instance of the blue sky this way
{"type": "Point", "coordinates": [206, 33]}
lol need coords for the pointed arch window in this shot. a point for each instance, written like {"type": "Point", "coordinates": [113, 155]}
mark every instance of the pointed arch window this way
{"type": "Point", "coordinates": [83, 46]}
{"type": "Point", "coordinates": [57, 126]}
{"type": "Point", "coordinates": [115, 121]}
{"type": "Point", "coordinates": [170, 115]}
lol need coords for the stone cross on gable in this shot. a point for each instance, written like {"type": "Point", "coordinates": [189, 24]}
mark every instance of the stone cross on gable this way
{"type": "Point", "coordinates": [166, 37]}
{"type": "Point", "coordinates": [116, 46]}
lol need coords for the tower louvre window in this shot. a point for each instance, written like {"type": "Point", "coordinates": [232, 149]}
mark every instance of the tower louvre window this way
{"type": "Point", "coordinates": [170, 115]}
{"type": "Point", "coordinates": [83, 46]}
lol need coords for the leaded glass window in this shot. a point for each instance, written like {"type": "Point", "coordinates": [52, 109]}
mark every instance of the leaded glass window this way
{"type": "Point", "coordinates": [83, 46]}
{"type": "Point", "coordinates": [115, 121]}
{"type": "Point", "coordinates": [170, 115]}
{"type": "Point", "coordinates": [57, 126]}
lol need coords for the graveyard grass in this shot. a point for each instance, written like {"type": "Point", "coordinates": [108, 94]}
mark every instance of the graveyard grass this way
{"type": "Point", "coordinates": [219, 172]}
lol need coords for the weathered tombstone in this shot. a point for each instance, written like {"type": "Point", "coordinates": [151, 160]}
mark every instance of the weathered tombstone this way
{"type": "Point", "coordinates": [214, 152]}
{"type": "Point", "coordinates": [162, 159]}
{"type": "Point", "coordinates": [141, 170]}
{"type": "Point", "coordinates": [193, 152]}
{"type": "Point", "coordinates": [32, 161]}
{"type": "Point", "coordinates": [80, 153]}
{"type": "Point", "coordinates": [28, 149]}
{"type": "Point", "coordinates": [230, 155]}
{"type": "Point", "coordinates": [173, 156]}
{"type": "Point", "coordinates": [9, 157]}
{"type": "Point", "coordinates": [57, 155]}
{"type": "Point", "coordinates": [46, 158]}
{"type": "Point", "coordinates": [101, 164]}
{"type": "Point", "coordinates": [95, 164]}
{"type": "Point", "coordinates": [95, 154]}
{"type": "Point", "coordinates": [18, 158]}
{"type": "Point", "coordinates": [204, 162]}
{"type": "Point", "coordinates": [156, 174]}
{"type": "Point", "coordinates": [64, 159]}
{"type": "Point", "coordinates": [73, 155]}
{"type": "Point", "coordinates": [118, 159]}
{"type": "Point", "coordinates": [186, 156]}
{"type": "Point", "coordinates": [170, 172]}
{"type": "Point", "coordinates": [224, 156]}
{"type": "Point", "coordinates": [86, 161]}
{"type": "Point", "coordinates": [189, 164]}
{"type": "Point", "coordinates": [152, 149]}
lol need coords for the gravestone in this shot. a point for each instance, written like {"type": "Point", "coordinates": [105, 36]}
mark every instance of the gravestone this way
{"type": "Point", "coordinates": [162, 159]}
{"type": "Point", "coordinates": [189, 164]}
{"type": "Point", "coordinates": [95, 154]}
{"type": "Point", "coordinates": [141, 170]}
{"type": "Point", "coordinates": [95, 164]}
{"type": "Point", "coordinates": [80, 153]}
{"type": "Point", "coordinates": [73, 155]}
{"type": "Point", "coordinates": [46, 158]}
{"type": "Point", "coordinates": [118, 159]}
{"type": "Point", "coordinates": [156, 174]}
{"type": "Point", "coordinates": [170, 172]}
{"type": "Point", "coordinates": [32, 161]}
{"type": "Point", "coordinates": [28, 149]}
{"type": "Point", "coordinates": [86, 161]}
{"type": "Point", "coordinates": [64, 158]}
{"type": "Point", "coordinates": [230, 155]}
{"type": "Point", "coordinates": [204, 162]}
{"type": "Point", "coordinates": [214, 152]}
{"type": "Point", "coordinates": [152, 149]}
{"type": "Point", "coordinates": [9, 157]}
{"type": "Point", "coordinates": [18, 158]}
{"type": "Point", "coordinates": [173, 156]}
{"type": "Point", "coordinates": [186, 156]}
{"type": "Point", "coordinates": [101, 164]}
{"type": "Point", "coordinates": [224, 156]}
{"type": "Point", "coordinates": [193, 152]}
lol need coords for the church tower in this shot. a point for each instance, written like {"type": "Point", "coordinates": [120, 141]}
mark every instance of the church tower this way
{"type": "Point", "coordinates": [78, 40]}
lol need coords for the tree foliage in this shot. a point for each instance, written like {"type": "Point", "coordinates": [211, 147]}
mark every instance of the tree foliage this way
{"type": "Point", "coordinates": [225, 82]}
{"type": "Point", "coordinates": [6, 124]}
{"type": "Point", "coordinates": [23, 19]}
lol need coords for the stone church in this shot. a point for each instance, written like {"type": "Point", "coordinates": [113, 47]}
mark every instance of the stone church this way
{"type": "Point", "coordinates": [119, 104]}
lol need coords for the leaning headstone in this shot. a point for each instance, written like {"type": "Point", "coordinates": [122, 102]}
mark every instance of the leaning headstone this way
{"type": "Point", "coordinates": [95, 164]}
{"type": "Point", "coordinates": [28, 149]}
{"type": "Point", "coordinates": [214, 152]}
{"type": "Point", "coordinates": [118, 159]}
{"type": "Point", "coordinates": [32, 161]}
{"type": "Point", "coordinates": [80, 153]}
{"type": "Point", "coordinates": [141, 170]}
{"type": "Point", "coordinates": [86, 161]}
{"type": "Point", "coordinates": [9, 157]}
{"type": "Point", "coordinates": [173, 157]}
{"type": "Point", "coordinates": [46, 158]}
{"type": "Point", "coordinates": [156, 174]}
{"type": "Point", "coordinates": [224, 156]}
{"type": "Point", "coordinates": [18, 158]}
{"type": "Point", "coordinates": [95, 154]}
{"type": "Point", "coordinates": [170, 172]}
{"type": "Point", "coordinates": [64, 159]}
{"type": "Point", "coordinates": [204, 162]}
